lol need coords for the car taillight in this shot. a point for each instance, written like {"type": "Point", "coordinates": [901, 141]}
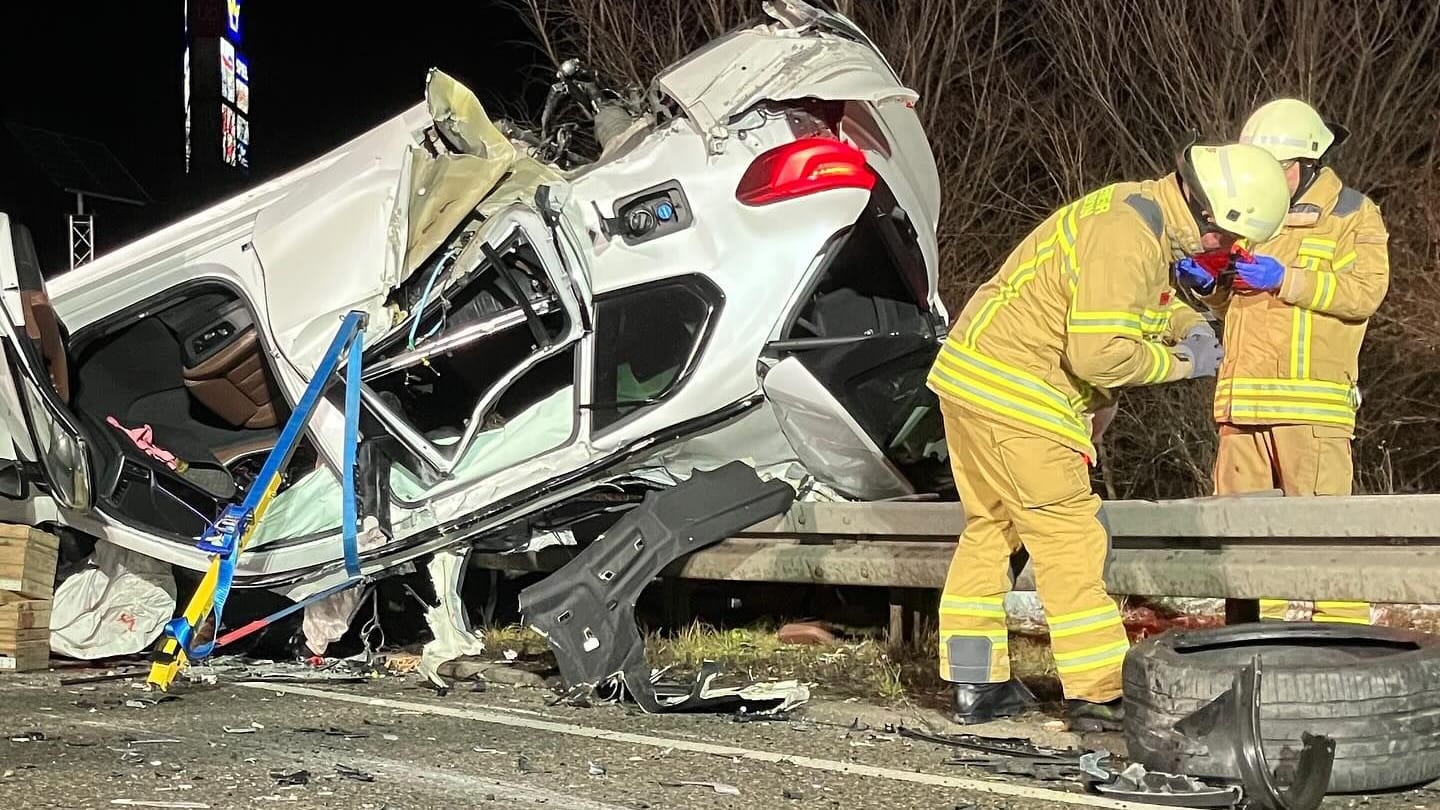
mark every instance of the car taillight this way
{"type": "Point", "coordinates": [803, 167]}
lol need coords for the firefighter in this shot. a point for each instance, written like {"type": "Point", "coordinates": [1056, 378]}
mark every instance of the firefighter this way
{"type": "Point", "coordinates": [1287, 393]}
{"type": "Point", "coordinates": [1084, 305]}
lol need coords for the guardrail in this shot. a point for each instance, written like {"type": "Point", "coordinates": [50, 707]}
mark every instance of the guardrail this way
{"type": "Point", "coordinates": [1383, 548]}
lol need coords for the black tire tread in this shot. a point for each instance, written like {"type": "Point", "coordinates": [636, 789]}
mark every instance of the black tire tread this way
{"type": "Point", "coordinates": [1382, 712]}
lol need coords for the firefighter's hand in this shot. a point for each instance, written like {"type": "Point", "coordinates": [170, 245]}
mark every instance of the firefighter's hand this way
{"type": "Point", "coordinates": [1260, 273]}
{"type": "Point", "coordinates": [1203, 350]}
{"type": "Point", "coordinates": [1189, 273]}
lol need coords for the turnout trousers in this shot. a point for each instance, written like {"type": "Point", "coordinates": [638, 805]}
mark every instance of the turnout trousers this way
{"type": "Point", "coordinates": [1024, 489]}
{"type": "Point", "coordinates": [1302, 461]}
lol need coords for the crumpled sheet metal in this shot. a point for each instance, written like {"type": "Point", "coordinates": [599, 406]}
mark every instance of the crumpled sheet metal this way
{"type": "Point", "coordinates": [586, 609]}
{"type": "Point", "coordinates": [449, 623]}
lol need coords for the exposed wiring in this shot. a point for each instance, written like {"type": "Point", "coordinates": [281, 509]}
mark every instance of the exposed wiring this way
{"type": "Point", "coordinates": [425, 299]}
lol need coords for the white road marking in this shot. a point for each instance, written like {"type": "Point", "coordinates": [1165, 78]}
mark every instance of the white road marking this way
{"type": "Point", "coordinates": [813, 763]}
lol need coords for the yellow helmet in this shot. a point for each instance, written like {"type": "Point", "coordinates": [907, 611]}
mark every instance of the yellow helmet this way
{"type": "Point", "coordinates": [1241, 187]}
{"type": "Point", "coordinates": [1290, 129]}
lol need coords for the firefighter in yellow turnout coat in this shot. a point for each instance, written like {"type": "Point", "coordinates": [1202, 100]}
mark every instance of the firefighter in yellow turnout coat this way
{"type": "Point", "coordinates": [1082, 306]}
{"type": "Point", "coordinates": [1287, 393]}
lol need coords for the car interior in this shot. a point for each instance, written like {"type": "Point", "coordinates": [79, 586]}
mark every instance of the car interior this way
{"type": "Point", "coordinates": [865, 331]}
{"type": "Point", "coordinates": [181, 407]}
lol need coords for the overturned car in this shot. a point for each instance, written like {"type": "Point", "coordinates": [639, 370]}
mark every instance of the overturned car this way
{"type": "Point", "coordinates": [744, 268]}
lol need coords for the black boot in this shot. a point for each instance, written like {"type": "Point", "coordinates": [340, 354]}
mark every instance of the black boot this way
{"type": "Point", "coordinates": [1087, 716]}
{"type": "Point", "coordinates": [983, 702]}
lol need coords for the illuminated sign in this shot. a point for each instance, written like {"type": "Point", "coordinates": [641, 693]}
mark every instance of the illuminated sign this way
{"type": "Point", "coordinates": [235, 90]}
{"type": "Point", "coordinates": [227, 70]}
{"type": "Point", "coordinates": [232, 18]}
{"type": "Point", "coordinates": [242, 85]}
{"type": "Point", "coordinates": [216, 85]}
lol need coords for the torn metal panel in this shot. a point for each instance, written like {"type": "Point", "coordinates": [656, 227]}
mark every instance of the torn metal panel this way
{"type": "Point", "coordinates": [1229, 727]}
{"type": "Point", "coordinates": [586, 609]}
{"type": "Point", "coordinates": [773, 62]}
{"type": "Point", "coordinates": [449, 623]}
{"type": "Point", "coordinates": [830, 442]}
{"type": "Point", "coordinates": [461, 119]}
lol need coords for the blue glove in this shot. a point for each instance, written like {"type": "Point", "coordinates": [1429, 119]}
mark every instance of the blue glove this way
{"type": "Point", "coordinates": [1265, 273]}
{"type": "Point", "coordinates": [1189, 273]}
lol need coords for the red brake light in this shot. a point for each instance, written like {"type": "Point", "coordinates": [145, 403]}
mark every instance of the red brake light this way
{"type": "Point", "coordinates": [803, 167]}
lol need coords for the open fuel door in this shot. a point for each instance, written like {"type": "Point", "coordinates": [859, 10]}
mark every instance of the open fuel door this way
{"type": "Point", "coordinates": [42, 444]}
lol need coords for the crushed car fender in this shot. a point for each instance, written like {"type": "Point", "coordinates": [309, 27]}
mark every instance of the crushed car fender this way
{"type": "Point", "coordinates": [586, 610]}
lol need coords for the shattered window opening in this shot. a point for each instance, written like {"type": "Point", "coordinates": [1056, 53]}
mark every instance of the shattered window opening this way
{"type": "Point", "coordinates": [489, 319]}
{"type": "Point", "coordinates": [647, 340]}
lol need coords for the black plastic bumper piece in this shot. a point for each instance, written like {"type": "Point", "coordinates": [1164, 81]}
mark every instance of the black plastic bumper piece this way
{"type": "Point", "coordinates": [1230, 728]}
{"type": "Point", "coordinates": [587, 608]}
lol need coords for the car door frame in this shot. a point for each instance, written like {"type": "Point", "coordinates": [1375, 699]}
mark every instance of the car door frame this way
{"type": "Point", "coordinates": [24, 390]}
{"type": "Point", "coordinates": [571, 287]}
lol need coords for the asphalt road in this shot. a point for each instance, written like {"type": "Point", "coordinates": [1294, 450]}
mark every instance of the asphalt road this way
{"type": "Point", "coordinates": [402, 746]}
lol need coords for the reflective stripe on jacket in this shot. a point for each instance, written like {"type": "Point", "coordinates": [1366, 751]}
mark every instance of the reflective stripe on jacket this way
{"type": "Point", "coordinates": [1291, 357]}
{"type": "Point", "coordinates": [1081, 306]}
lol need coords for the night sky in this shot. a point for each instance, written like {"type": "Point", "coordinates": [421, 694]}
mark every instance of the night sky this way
{"type": "Point", "coordinates": [321, 73]}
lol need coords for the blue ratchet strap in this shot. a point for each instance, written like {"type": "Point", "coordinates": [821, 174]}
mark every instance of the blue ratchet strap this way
{"type": "Point", "coordinates": [352, 438]}
{"type": "Point", "coordinates": [235, 520]}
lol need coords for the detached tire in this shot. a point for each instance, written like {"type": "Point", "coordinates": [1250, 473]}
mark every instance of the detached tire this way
{"type": "Point", "coordinates": [1374, 690]}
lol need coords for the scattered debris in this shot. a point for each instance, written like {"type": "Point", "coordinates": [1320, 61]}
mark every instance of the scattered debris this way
{"type": "Point", "coordinates": [110, 676]}
{"type": "Point", "coordinates": [144, 702]}
{"type": "Point", "coordinates": [719, 787]}
{"type": "Point", "coordinates": [401, 663]}
{"type": "Point", "coordinates": [353, 774]}
{"type": "Point", "coordinates": [28, 736]}
{"type": "Point", "coordinates": [331, 731]}
{"type": "Point", "coordinates": [998, 746]}
{"type": "Point", "coordinates": [809, 633]}
{"type": "Point", "coordinates": [283, 777]}
{"type": "Point", "coordinates": [1149, 787]}
{"type": "Point", "coordinates": [1090, 765]}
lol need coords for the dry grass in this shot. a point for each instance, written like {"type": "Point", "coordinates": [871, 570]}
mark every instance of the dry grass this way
{"type": "Point", "coordinates": [862, 667]}
{"type": "Point", "coordinates": [1029, 103]}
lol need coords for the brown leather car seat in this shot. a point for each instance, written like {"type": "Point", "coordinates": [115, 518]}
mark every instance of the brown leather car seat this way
{"type": "Point", "coordinates": [234, 384]}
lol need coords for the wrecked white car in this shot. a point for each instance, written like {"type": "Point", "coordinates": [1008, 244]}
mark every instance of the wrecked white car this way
{"type": "Point", "coordinates": [745, 268]}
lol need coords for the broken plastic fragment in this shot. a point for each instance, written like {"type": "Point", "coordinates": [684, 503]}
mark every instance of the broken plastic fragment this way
{"type": "Point", "coordinates": [353, 774]}
{"type": "Point", "coordinates": [719, 787]}
{"type": "Point", "coordinates": [283, 777]}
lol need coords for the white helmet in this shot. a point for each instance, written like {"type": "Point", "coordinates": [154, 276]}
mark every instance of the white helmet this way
{"type": "Point", "coordinates": [1290, 129]}
{"type": "Point", "coordinates": [1241, 187]}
